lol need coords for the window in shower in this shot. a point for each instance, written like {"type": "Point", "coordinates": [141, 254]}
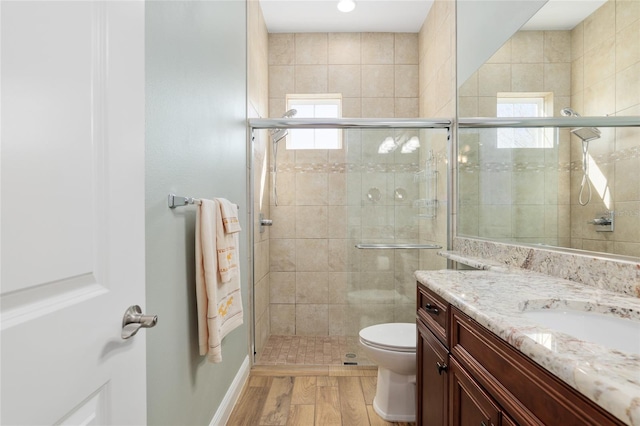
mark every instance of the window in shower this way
{"type": "Point", "coordinates": [315, 106]}
{"type": "Point", "coordinates": [514, 104]}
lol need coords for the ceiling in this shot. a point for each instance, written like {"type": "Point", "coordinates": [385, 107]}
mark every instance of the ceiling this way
{"type": "Point", "coordinates": [294, 16]}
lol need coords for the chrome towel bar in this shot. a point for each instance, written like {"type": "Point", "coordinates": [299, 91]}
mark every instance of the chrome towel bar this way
{"type": "Point", "coordinates": [398, 246]}
{"type": "Point", "coordinates": [176, 201]}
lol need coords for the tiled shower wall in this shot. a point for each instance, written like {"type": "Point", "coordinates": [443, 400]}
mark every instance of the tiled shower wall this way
{"type": "Point", "coordinates": [516, 194]}
{"type": "Point", "coordinates": [314, 268]}
{"type": "Point", "coordinates": [605, 80]}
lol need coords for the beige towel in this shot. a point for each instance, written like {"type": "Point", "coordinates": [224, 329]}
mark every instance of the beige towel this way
{"type": "Point", "coordinates": [226, 239]}
{"type": "Point", "coordinates": [219, 302]}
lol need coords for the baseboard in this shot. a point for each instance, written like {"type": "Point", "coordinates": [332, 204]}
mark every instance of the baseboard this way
{"type": "Point", "coordinates": [231, 397]}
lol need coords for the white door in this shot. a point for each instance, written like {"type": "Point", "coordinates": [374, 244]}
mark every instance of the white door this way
{"type": "Point", "coordinates": [72, 211]}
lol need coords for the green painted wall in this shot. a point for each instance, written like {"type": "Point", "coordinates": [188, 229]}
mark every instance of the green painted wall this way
{"type": "Point", "coordinates": [195, 146]}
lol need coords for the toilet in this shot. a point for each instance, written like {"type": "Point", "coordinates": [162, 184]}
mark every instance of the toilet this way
{"type": "Point", "coordinates": [392, 347]}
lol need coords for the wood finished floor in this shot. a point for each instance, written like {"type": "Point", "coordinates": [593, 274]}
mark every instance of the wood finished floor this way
{"type": "Point", "coordinates": [307, 396]}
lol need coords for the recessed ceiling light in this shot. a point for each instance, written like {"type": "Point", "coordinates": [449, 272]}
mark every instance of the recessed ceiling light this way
{"type": "Point", "coordinates": [346, 5]}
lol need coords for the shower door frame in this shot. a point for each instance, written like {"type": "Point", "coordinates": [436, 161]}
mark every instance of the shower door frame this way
{"type": "Point", "coordinates": [337, 123]}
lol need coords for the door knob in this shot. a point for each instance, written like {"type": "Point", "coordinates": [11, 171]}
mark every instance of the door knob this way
{"type": "Point", "coordinates": [133, 321]}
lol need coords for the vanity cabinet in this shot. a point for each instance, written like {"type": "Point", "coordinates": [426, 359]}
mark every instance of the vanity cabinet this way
{"type": "Point", "coordinates": [467, 376]}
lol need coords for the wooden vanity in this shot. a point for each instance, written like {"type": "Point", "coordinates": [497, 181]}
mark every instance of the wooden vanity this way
{"type": "Point", "coordinates": [466, 375]}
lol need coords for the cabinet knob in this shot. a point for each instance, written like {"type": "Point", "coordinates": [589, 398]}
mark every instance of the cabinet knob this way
{"type": "Point", "coordinates": [431, 309]}
{"type": "Point", "coordinates": [442, 367]}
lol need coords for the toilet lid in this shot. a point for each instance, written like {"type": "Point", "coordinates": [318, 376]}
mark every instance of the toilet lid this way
{"type": "Point", "coordinates": [399, 337]}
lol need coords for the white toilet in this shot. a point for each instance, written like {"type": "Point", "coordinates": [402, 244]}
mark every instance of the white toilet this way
{"type": "Point", "coordinates": [393, 348]}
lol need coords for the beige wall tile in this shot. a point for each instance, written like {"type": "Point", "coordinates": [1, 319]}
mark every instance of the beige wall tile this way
{"type": "Point", "coordinates": [377, 81]}
{"type": "Point", "coordinates": [337, 254]}
{"type": "Point", "coordinates": [406, 81]}
{"type": "Point", "coordinates": [344, 48]}
{"type": "Point", "coordinates": [281, 49]}
{"type": "Point", "coordinates": [351, 107]}
{"type": "Point", "coordinates": [468, 106]}
{"type": "Point", "coordinates": [311, 79]}
{"type": "Point", "coordinates": [261, 259]}
{"type": "Point", "coordinates": [312, 320]}
{"type": "Point", "coordinates": [338, 287]}
{"type": "Point", "coordinates": [378, 107]}
{"type": "Point", "coordinates": [600, 99]}
{"type": "Point", "coordinates": [283, 319]}
{"type": "Point", "coordinates": [277, 107]}
{"type": "Point", "coordinates": [600, 25]}
{"type": "Point", "coordinates": [312, 255]}
{"type": "Point", "coordinates": [527, 47]}
{"type": "Point", "coordinates": [487, 106]}
{"type": "Point", "coordinates": [628, 45]}
{"type": "Point", "coordinates": [286, 185]}
{"type": "Point", "coordinates": [345, 79]}
{"type": "Point", "coordinates": [628, 221]}
{"type": "Point", "coordinates": [494, 222]}
{"type": "Point", "coordinates": [337, 194]}
{"type": "Point", "coordinates": [282, 287]}
{"type": "Point", "coordinates": [627, 249]}
{"type": "Point", "coordinates": [311, 222]}
{"type": "Point", "coordinates": [313, 156]}
{"type": "Point", "coordinates": [557, 79]}
{"type": "Point", "coordinates": [628, 88]}
{"type": "Point", "coordinates": [577, 75]}
{"type": "Point", "coordinates": [284, 221]}
{"type": "Point", "coordinates": [311, 189]}
{"type": "Point", "coordinates": [527, 77]}
{"type": "Point", "coordinates": [339, 320]}
{"type": "Point", "coordinates": [494, 78]}
{"type": "Point", "coordinates": [557, 46]}
{"type": "Point", "coordinates": [406, 107]}
{"type": "Point", "coordinates": [282, 255]}
{"type": "Point", "coordinates": [600, 62]}
{"type": "Point", "coordinates": [311, 48]}
{"type": "Point", "coordinates": [406, 48]}
{"type": "Point", "coordinates": [261, 290]}
{"type": "Point", "coordinates": [337, 223]}
{"type": "Point", "coordinates": [528, 221]}
{"type": "Point", "coordinates": [312, 287]}
{"type": "Point", "coordinates": [627, 12]}
{"type": "Point", "coordinates": [281, 80]}
{"type": "Point", "coordinates": [625, 188]}
{"type": "Point", "coordinates": [577, 41]}
{"type": "Point", "coordinates": [377, 48]}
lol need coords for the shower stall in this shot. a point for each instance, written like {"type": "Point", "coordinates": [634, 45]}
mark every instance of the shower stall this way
{"type": "Point", "coordinates": [350, 227]}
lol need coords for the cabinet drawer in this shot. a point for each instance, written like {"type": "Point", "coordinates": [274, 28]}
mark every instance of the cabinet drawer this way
{"type": "Point", "coordinates": [432, 310]}
{"type": "Point", "coordinates": [529, 393]}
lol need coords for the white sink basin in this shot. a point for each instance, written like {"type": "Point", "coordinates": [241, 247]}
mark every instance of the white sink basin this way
{"type": "Point", "coordinates": [608, 330]}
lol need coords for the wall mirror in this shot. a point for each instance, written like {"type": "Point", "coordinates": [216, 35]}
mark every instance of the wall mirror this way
{"type": "Point", "coordinates": [571, 188]}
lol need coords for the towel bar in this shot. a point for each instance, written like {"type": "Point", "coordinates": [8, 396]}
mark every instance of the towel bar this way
{"type": "Point", "coordinates": [397, 246]}
{"type": "Point", "coordinates": [176, 201]}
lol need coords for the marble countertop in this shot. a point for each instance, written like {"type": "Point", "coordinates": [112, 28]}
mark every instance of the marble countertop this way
{"type": "Point", "coordinates": [497, 298]}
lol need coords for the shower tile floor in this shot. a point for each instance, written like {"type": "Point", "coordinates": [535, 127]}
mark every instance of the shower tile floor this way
{"type": "Point", "coordinates": [312, 350]}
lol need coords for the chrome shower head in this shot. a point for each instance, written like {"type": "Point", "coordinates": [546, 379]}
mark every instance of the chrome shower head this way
{"type": "Point", "coordinates": [568, 112]}
{"type": "Point", "coordinates": [278, 134]}
{"type": "Point", "coordinates": [585, 133]}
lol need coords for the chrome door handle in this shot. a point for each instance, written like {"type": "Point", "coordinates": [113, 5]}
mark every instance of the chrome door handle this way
{"type": "Point", "coordinates": [133, 321]}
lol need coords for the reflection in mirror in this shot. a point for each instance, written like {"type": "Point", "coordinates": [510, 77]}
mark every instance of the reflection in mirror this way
{"type": "Point", "coordinates": [531, 185]}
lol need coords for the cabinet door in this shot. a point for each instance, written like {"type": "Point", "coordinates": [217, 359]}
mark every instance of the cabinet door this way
{"type": "Point", "coordinates": [469, 404]}
{"type": "Point", "coordinates": [432, 379]}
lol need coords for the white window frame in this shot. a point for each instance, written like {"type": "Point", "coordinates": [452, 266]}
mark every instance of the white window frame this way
{"type": "Point", "coordinates": [509, 138]}
{"type": "Point", "coordinates": [314, 138]}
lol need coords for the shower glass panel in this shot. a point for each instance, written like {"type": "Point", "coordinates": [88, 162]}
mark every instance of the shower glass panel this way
{"type": "Point", "coordinates": [385, 186]}
{"type": "Point", "coordinates": [511, 192]}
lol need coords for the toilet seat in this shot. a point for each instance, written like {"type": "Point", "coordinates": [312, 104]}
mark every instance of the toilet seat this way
{"type": "Point", "coordinates": [397, 337]}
